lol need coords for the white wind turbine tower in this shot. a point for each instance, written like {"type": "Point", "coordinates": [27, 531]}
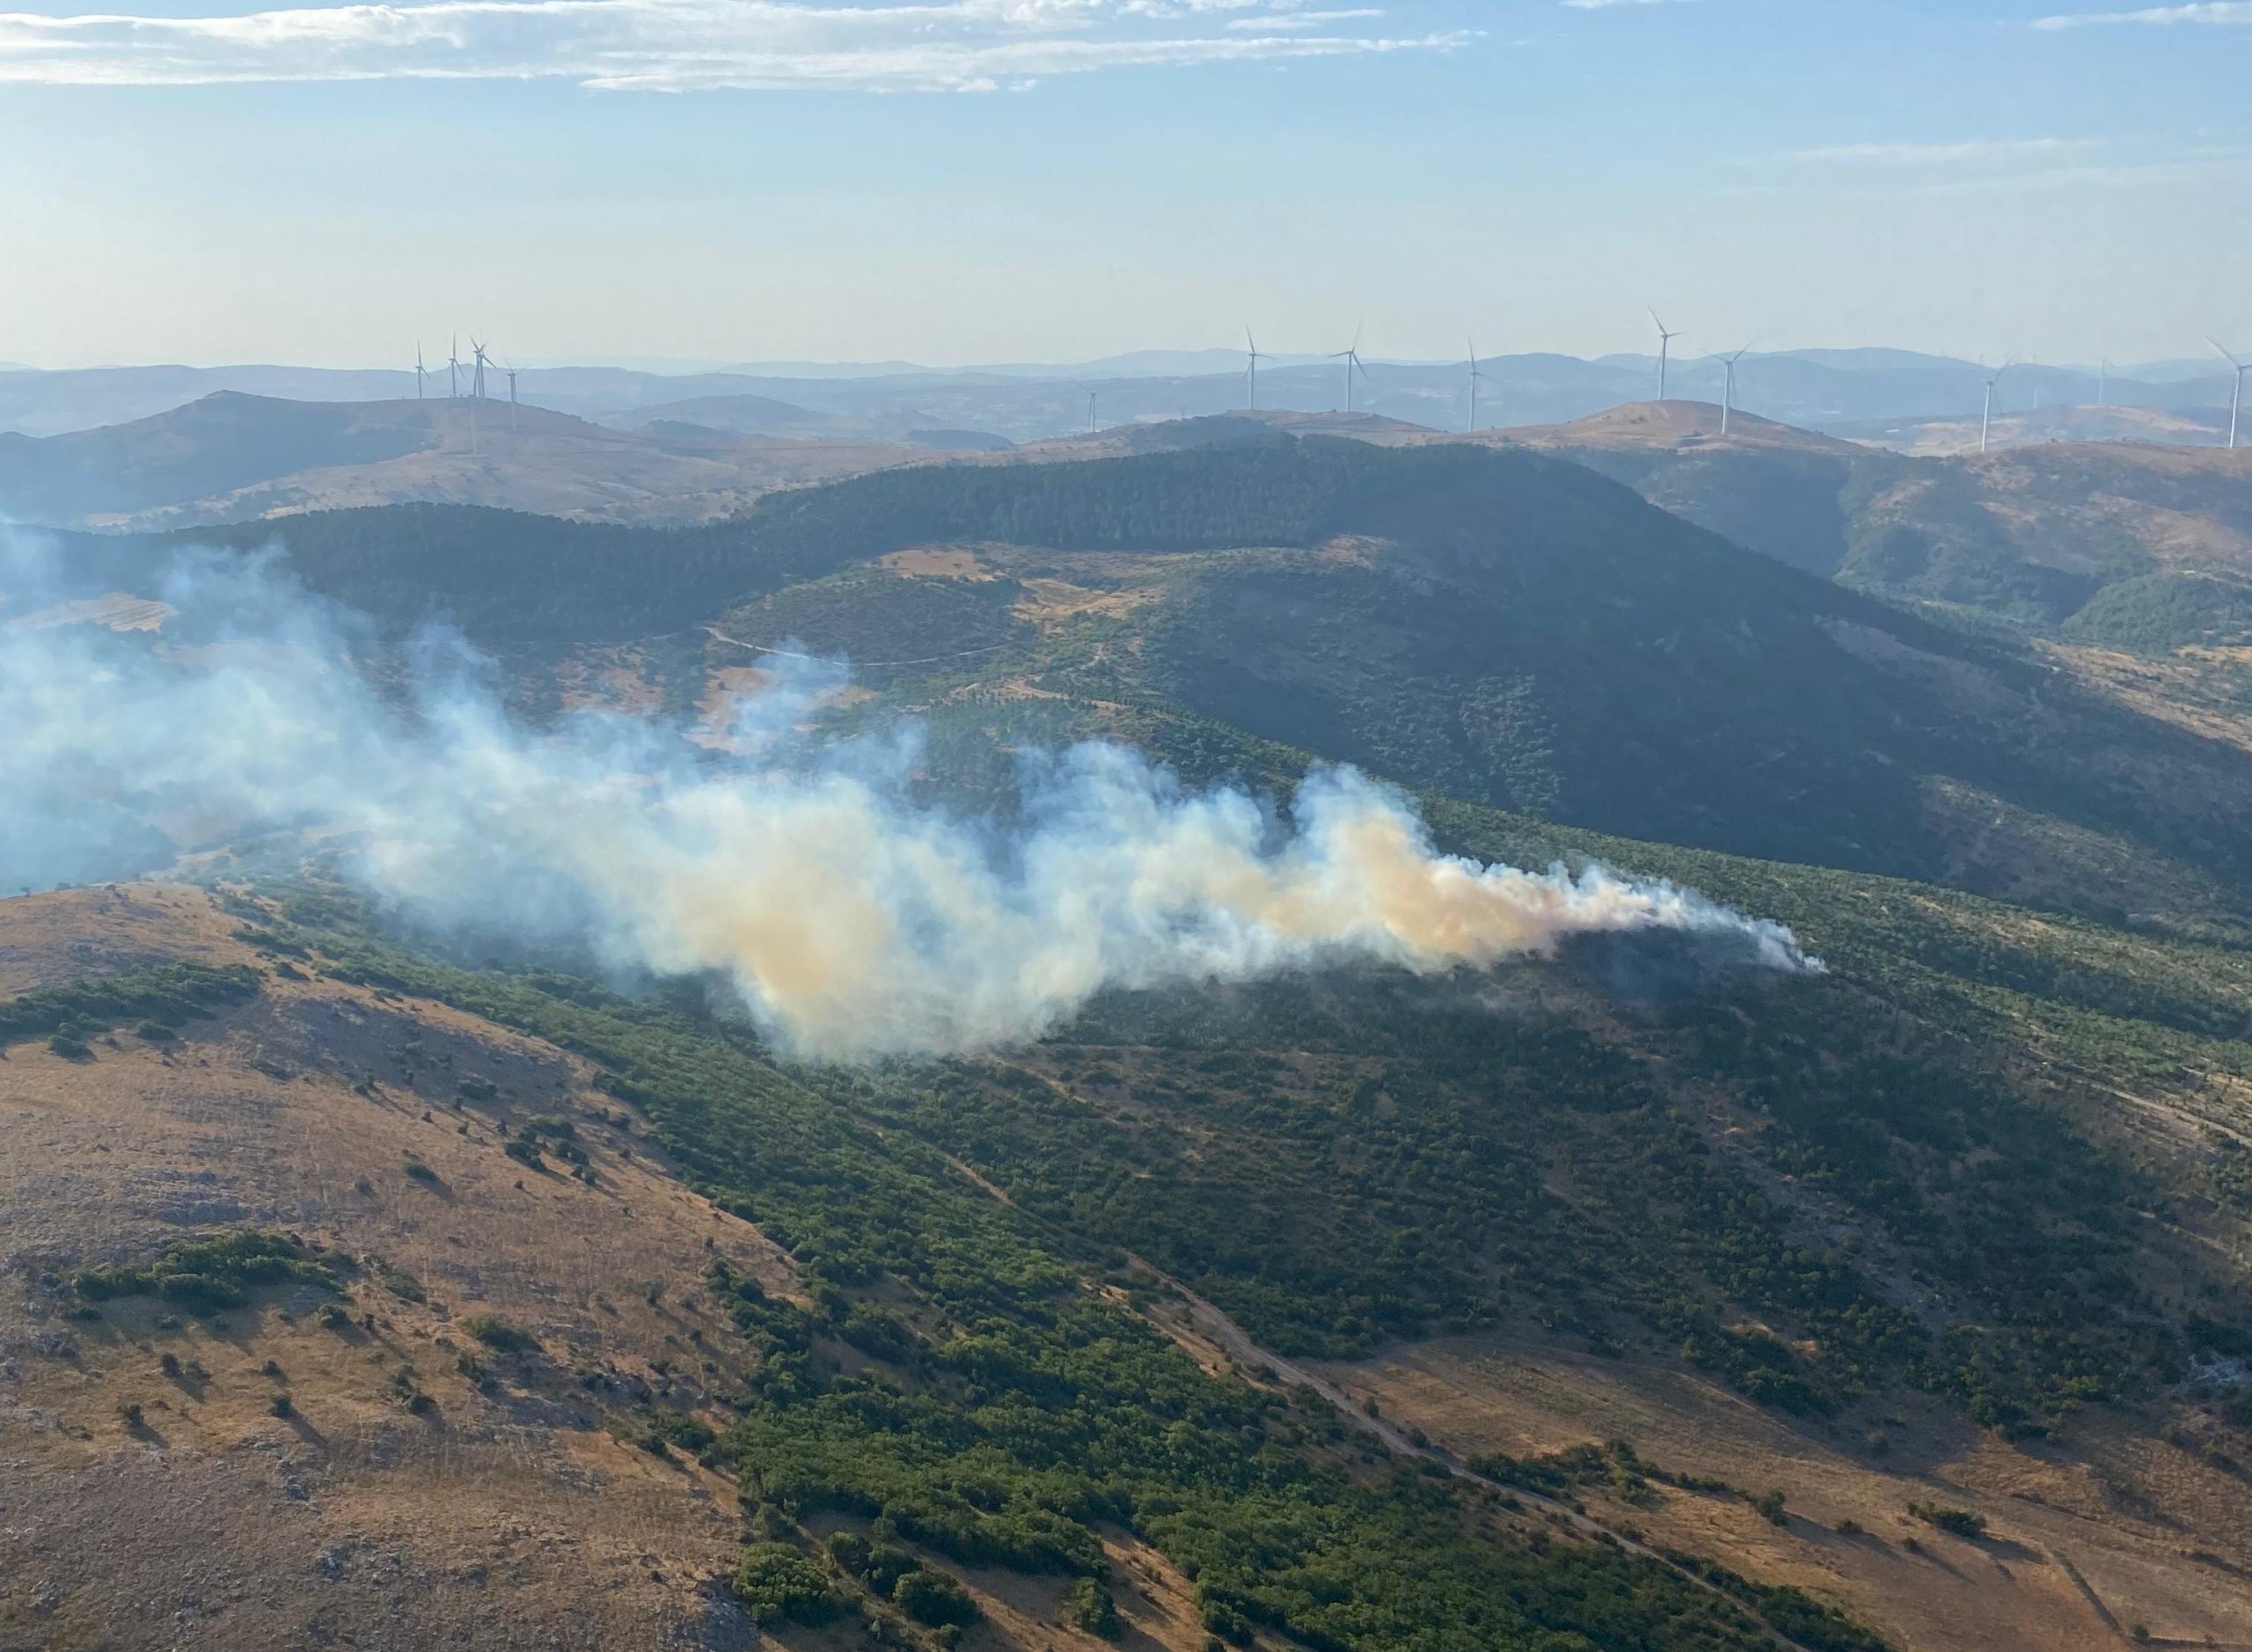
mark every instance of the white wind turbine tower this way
{"type": "Point", "coordinates": [1351, 358]}
{"type": "Point", "coordinates": [476, 392]}
{"type": "Point", "coordinates": [1665, 353]}
{"type": "Point", "coordinates": [1094, 397]}
{"type": "Point", "coordinates": [2236, 396]}
{"type": "Point", "coordinates": [418, 370]}
{"type": "Point", "coordinates": [510, 370]}
{"type": "Point", "coordinates": [1986, 414]}
{"type": "Point", "coordinates": [1728, 384]}
{"type": "Point", "coordinates": [1477, 377]}
{"type": "Point", "coordinates": [1251, 375]}
{"type": "Point", "coordinates": [453, 369]}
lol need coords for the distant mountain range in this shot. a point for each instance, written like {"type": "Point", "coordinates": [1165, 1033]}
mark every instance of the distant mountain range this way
{"type": "Point", "coordinates": [1856, 392]}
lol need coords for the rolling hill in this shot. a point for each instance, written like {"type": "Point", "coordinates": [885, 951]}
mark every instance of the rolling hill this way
{"type": "Point", "coordinates": [231, 457]}
{"type": "Point", "coordinates": [1504, 626]}
{"type": "Point", "coordinates": [2106, 543]}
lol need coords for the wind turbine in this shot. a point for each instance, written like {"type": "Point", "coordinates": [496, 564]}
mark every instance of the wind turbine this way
{"type": "Point", "coordinates": [453, 369]}
{"type": "Point", "coordinates": [1251, 376]}
{"type": "Point", "coordinates": [418, 370]}
{"type": "Point", "coordinates": [477, 382]}
{"type": "Point", "coordinates": [1986, 414]}
{"type": "Point", "coordinates": [1728, 385]}
{"type": "Point", "coordinates": [1664, 352]}
{"type": "Point", "coordinates": [1477, 377]}
{"type": "Point", "coordinates": [510, 370]}
{"type": "Point", "coordinates": [2236, 396]}
{"type": "Point", "coordinates": [2103, 379]}
{"type": "Point", "coordinates": [1351, 358]}
{"type": "Point", "coordinates": [1092, 398]}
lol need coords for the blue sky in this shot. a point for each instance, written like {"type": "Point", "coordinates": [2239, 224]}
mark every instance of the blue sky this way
{"type": "Point", "coordinates": [955, 180]}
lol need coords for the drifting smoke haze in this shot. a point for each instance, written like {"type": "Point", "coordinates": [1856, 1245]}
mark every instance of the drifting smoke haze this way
{"type": "Point", "coordinates": [855, 921]}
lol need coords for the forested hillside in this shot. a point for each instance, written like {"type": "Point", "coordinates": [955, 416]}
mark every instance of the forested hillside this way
{"type": "Point", "coordinates": [1507, 626]}
{"type": "Point", "coordinates": [2134, 547]}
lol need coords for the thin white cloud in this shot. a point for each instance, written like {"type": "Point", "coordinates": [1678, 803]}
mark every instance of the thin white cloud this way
{"type": "Point", "coordinates": [1605, 5]}
{"type": "Point", "coordinates": [1297, 20]}
{"type": "Point", "coordinates": [682, 45]}
{"type": "Point", "coordinates": [1987, 165]}
{"type": "Point", "coordinates": [1976, 152]}
{"type": "Point", "coordinates": [2205, 12]}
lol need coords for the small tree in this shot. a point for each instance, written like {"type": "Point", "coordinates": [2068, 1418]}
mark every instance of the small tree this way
{"type": "Point", "coordinates": [934, 1598]}
{"type": "Point", "coordinates": [779, 1585]}
{"type": "Point", "coordinates": [1090, 1606]}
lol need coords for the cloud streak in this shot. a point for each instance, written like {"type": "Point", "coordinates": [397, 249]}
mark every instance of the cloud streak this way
{"type": "Point", "coordinates": [1973, 152]}
{"type": "Point", "coordinates": [687, 45]}
{"type": "Point", "coordinates": [2206, 11]}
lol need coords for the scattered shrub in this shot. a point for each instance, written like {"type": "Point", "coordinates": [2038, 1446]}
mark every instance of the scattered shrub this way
{"type": "Point", "coordinates": [1960, 1522]}
{"type": "Point", "coordinates": [934, 1598]}
{"type": "Point", "coordinates": [207, 1275]}
{"type": "Point", "coordinates": [779, 1585]}
{"type": "Point", "coordinates": [401, 1284]}
{"type": "Point", "coordinates": [498, 1334]}
{"type": "Point", "coordinates": [1090, 1606]}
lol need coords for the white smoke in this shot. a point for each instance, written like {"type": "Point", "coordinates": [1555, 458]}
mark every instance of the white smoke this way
{"type": "Point", "coordinates": [854, 922]}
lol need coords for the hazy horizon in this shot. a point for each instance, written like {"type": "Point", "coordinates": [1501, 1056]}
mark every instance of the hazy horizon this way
{"type": "Point", "coordinates": [1147, 361]}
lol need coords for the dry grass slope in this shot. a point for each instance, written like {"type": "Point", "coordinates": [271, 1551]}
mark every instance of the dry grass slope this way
{"type": "Point", "coordinates": [179, 1504]}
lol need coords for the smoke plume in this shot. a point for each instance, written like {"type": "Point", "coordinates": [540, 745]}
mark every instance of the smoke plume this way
{"type": "Point", "coordinates": [854, 922]}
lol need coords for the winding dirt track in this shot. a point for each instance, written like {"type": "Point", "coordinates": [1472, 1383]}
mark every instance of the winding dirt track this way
{"type": "Point", "coordinates": [1233, 1340]}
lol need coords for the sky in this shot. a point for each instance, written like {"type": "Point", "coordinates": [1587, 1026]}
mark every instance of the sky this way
{"type": "Point", "coordinates": [953, 182]}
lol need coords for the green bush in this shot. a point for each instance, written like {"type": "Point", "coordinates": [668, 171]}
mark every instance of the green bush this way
{"type": "Point", "coordinates": [1961, 1523]}
{"type": "Point", "coordinates": [779, 1585]}
{"type": "Point", "coordinates": [399, 1282]}
{"type": "Point", "coordinates": [934, 1598]}
{"type": "Point", "coordinates": [497, 1334]}
{"type": "Point", "coordinates": [207, 1275]}
{"type": "Point", "coordinates": [163, 998]}
{"type": "Point", "coordinates": [1090, 1606]}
